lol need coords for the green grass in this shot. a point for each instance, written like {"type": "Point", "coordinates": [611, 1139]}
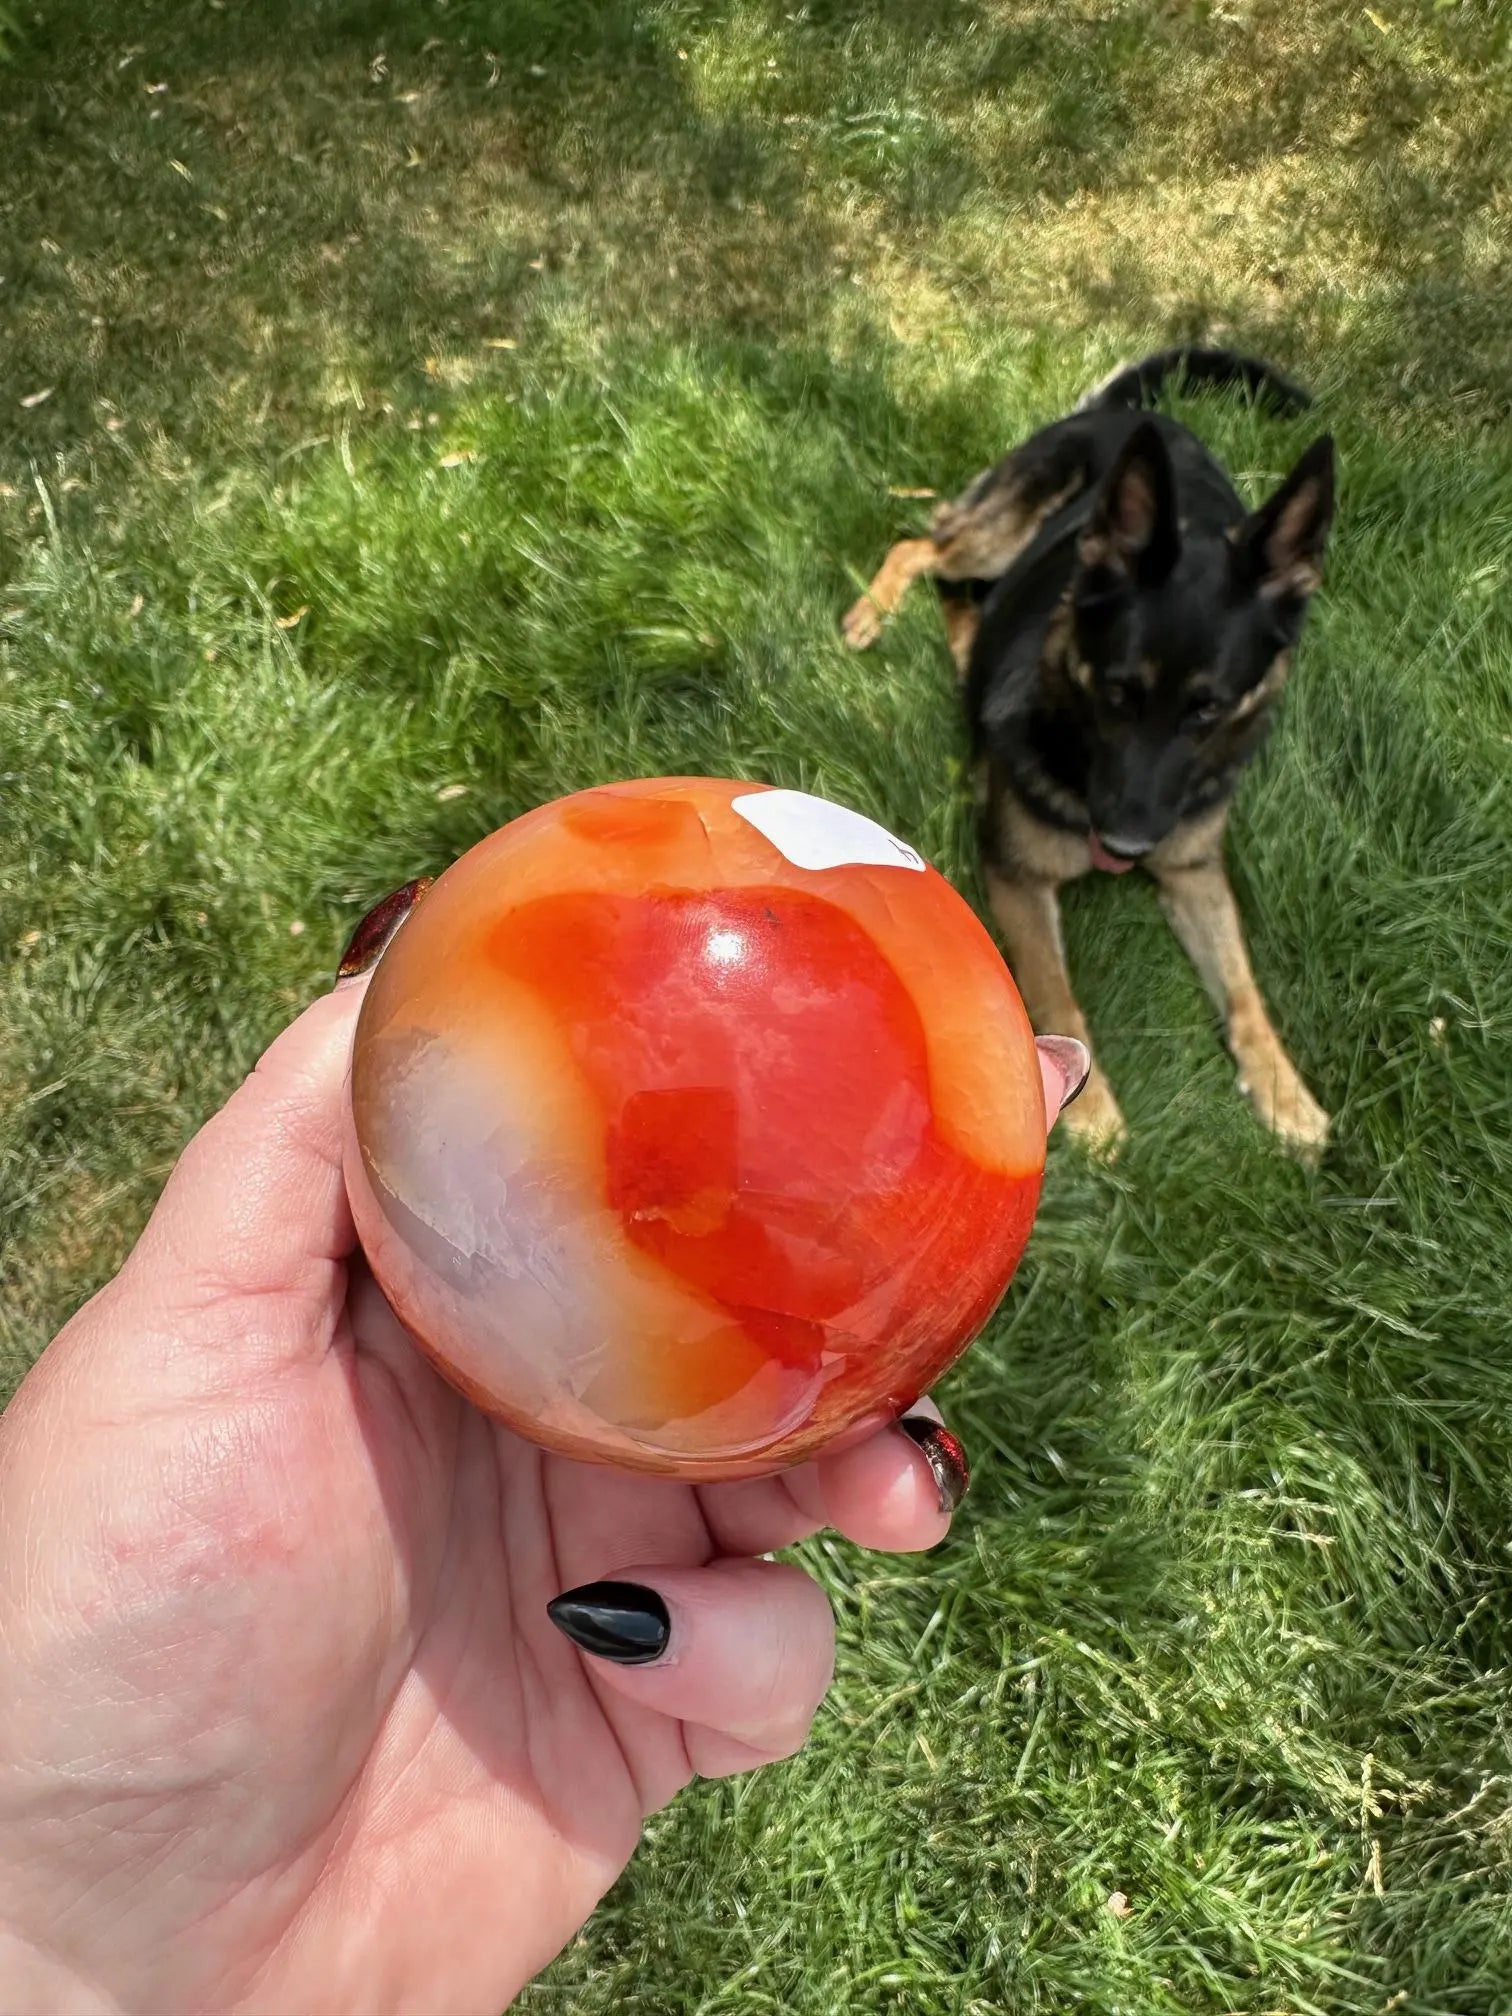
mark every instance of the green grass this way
{"type": "Point", "coordinates": [1227, 1626]}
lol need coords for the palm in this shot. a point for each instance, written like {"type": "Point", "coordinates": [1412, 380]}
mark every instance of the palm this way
{"type": "Point", "coordinates": [344, 1662]}
{"type": "Point", "coordinates": [439, 1538]}
{"type": "Point", "coordinates": [477, 1692]}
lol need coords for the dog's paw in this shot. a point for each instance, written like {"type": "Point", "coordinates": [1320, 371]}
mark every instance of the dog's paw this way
{"type": "Point", "coordinates": [1095, 1120]}
{"type": "Point", "coordinates": [1284, 1105]}
{"type": "Point", "coordinates": [861, 624]}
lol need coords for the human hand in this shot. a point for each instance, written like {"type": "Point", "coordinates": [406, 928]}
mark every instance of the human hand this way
{"type": "Point", "coordinates": [287, 1725]}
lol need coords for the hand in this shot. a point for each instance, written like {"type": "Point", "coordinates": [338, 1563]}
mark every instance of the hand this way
{"type": "Point", "coordinates": [286, 1724]}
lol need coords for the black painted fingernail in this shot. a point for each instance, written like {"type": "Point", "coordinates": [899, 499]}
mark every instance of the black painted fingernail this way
{"type": "Point", "coordinates": [1072, 1059]}
{"type": "Point", "coordinates": [943, 1452]}
{"type": "Point", "coordinates": [622, 1621]}
{"type": "Point", "coordinates": [370, 940]}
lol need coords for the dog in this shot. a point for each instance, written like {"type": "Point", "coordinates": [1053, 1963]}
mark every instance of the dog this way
{"type": "Point", "coordinates": [1122, 628]}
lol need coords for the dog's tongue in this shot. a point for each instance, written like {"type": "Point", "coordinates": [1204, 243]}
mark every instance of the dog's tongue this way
{"type": "Point", "coordinates": [1101, 858]}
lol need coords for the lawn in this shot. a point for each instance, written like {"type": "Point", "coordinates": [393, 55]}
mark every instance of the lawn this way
{"type": "Point", "coordinates": [409, 412]}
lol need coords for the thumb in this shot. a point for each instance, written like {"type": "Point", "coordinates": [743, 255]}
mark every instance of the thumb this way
{"type": "Point", "coordinates": [256, 1205]}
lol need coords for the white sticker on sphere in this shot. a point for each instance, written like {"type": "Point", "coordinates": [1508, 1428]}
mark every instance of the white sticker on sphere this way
{"type": "Point", "coordinates": [812, 833]}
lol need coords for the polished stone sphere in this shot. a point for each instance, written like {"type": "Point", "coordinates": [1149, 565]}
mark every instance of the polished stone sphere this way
{"type": "Point", "coordinates": [696, 1126]}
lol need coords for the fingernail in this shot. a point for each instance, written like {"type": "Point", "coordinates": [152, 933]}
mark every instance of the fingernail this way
{"type": "Point", "coordinates": [942, 1451]}
{"type": "Point", "coordinates": [371, 939]}
{"type": "Point", "coordinates": [621, 1621]}
{"type": "Point", "coordinates": [1072, 1059]}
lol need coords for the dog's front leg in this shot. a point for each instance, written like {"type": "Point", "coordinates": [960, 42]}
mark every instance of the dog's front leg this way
{"type": "Point", "coordinates": [905, 562]}
{"type": "Point", "coordinates": [1028, 915]}
{"type": "Point", "coordinates": [1197, 899]}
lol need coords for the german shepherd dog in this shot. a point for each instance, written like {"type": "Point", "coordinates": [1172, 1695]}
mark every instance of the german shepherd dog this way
{"type": "Point", "coordinates": [1122, 628]}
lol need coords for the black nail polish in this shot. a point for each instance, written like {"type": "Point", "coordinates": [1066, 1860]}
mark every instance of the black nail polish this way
{"type": "Point", "coordinates": [621, 1621]}
{"type": "Point", "coordinates": [371, 939]}
{"type": "Point", "coordinates": [944, 1454]}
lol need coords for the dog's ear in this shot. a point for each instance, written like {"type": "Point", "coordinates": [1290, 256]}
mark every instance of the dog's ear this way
{"type": "Point", "coordinates": [1280, 546]}
{"type": "Point", "coordinates": [1132, 529]}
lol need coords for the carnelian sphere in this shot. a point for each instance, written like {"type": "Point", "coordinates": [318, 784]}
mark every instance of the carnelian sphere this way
{"type": "Point", "coordinates": [695, 1126]}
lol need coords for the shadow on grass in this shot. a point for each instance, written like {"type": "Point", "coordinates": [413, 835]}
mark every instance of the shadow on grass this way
{"type": "Point", "coordinates": [263, 218]}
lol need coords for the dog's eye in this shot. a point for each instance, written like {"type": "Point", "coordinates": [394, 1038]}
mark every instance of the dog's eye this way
{"type": "Point", "coordinates": [1118, 698]}
{"type": "Point", "coordinates": [1206, 714]}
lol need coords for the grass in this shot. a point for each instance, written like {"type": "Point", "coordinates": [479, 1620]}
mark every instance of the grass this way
{"type": "Point", "coordinates": [452, 404]}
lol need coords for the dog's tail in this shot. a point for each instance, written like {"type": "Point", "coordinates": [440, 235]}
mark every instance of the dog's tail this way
{"type": "Point", "coordinates": [1135, 385]}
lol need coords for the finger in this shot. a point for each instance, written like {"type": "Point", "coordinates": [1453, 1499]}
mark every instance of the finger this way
{"type": "Point", "coordinates": [743, 1649]}
{"type": "Point", "coordinates": [759, 1516]}
{"type": "Point", "coordinates": [256, 1202]}
{"type": "Point", "coordinates": [895, 1492]}
{"type": "Point", "coordinates": [712, 1754]}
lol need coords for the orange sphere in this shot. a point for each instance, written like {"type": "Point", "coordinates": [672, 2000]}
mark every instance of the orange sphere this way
{"type": "Point", "coordinates": [695, 1126]}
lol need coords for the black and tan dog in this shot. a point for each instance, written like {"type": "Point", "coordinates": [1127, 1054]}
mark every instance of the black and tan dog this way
{"type": "Point", "coordinates": [1123, 628]}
